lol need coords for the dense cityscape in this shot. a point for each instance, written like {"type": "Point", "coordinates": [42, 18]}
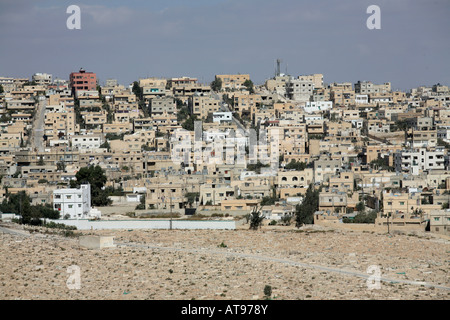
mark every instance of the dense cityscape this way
{"type": "Point", "coordinates": [194, 151]}
{"type": "Point", "coordinates": [364, 152]}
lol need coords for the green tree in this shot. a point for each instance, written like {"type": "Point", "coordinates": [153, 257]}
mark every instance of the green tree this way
{"type": "Point", "coordinates": [1, 89]}
{"type": "Point", "coordinates": [360, 207]}
{"type": "Point", "coordinates": [256, 219]}
{"type": "Point", "coordinates": [192, 197]}
{"type": "Point", "coordinates": [137, 90]}
{"type": "Point", "coordinates": [20, 204]}
{"type": "Point", "coordinates": [106, 145]}
{"type": "Point", "coordinates": [189, 123]}
{"type": "Point", "coordinates": [141, 205]}
{"type": "Point", "coordinates": [304, 213]}
{"type": "Point", "coordinates": [257, 166]}
{"type": "Point", "coordinates": [95, 176]}
{"type": "Point", "coordinates": [249, 85]}
{"type": "Point", "coordinates": [216, 84]}
{"type": "Point", "coordinates": [298, 166]}
{"type": "Point", "coordinates": [5, 118]}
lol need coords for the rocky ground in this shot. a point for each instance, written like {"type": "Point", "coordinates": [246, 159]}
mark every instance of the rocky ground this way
{"type": "Point", "coordinates": [310, 263]}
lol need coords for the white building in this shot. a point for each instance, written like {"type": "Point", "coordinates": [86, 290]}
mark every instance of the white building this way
{"type": "Point", "coordinates": [221, 117]}
{"type": "Point", "coordinates": [74, 203]}
{"type": "Point", "coordinates": [86, 142]}
{"type": "Point", "coordinates": [318, 106]}
{"type": "Point", "coordinates": [443, 132]}
{"type": "Point", "coordinates": [361, 99]}
{"type": "Point", "coordinates": [418, 160]}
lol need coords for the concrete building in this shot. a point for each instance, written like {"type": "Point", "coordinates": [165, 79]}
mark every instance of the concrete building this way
{"type": "Point", "coordinates": [42, 78]}
{"type": "Point", "coordinates": [324, 167]}
{"type": "Point", "coordinates": [233, 81]}
{"type": "Point", "coordinates": [367, 87]}
{"type": "Point", "coordinates": [317, 106]}
{"type": "Point", "coordinates": [201, 106]}
{"type": "Point", "coordinates": [83, 80]}
{"type": "Point", "coordinates": [440, 222]}
{"type": "Point", "coordinates": [221, 117]}
{"type": "Point", "coordinates": [74, 203]}
{"type": "Point", "coordinates": [299, 89]}
{"type": "Point", "coordinates": [86, 142]}
{"type": "Point", "coordinates": [418, 160]}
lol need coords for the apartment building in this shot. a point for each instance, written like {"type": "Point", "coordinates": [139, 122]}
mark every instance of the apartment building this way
{"type": "Point", "coordinates": [300, 89]}
{"type": "Point", "coordinates": [332, 202]}
{"type": "Point", "coordinates": [86, 142]}
{"type": "Point", "coordinates": [42, 78]}
{"type": "Point", "coordinates": [245, 103]}
{"type": "Point", "coordinates": [153, 88]}
{"type": "Point", "coordinates": [401, 209]}
{"type": "Point", "coordinates": [159, 106]}
{"type": "Point", "coordinates": [59, 124]}
{"type": "Point", "coordinates": [201, 106]}
{"type": "Point", "coordinates": [325, 167]}
{"type": "Point", "coordinates": [233, 81]}
{"type": "Point", "coordinates": [440, 222]}
{"type": "Point", "coordinates": [369, 88]}
{"type": "Point", "coordinates": [342, 97]}
{"type": "Point", "coordinates": [317, 106]}
{"type": "Point", "coordinates": [73, 203]}
{"type": "Point", "coordinates": [419, 160]}
{"type": "Point", "coordinates": [343, 181]}
{"type": "Point", "coordinates": [295, 179]}
{"type": "Point", "coordinates": [215, 193]}
{"type": "Point", "coordinates": [83, 80]}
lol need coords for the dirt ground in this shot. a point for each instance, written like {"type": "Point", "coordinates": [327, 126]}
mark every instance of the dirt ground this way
{"type": "Point", "coordinates": [309, 263]}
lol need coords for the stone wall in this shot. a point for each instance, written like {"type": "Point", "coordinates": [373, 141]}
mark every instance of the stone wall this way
{"type": "Point", "coordinates": [148, 224]}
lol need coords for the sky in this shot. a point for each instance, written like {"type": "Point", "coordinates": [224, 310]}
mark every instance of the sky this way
{"type": "Point", "coordinates": [129, 40]}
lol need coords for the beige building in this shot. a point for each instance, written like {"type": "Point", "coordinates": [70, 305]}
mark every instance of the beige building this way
{"type": "Point", "coordinates": [201, 106]}
{"type": "Point", "coordinates": [233, 81]}
{"type": "Point", "coordinates": [440, 222]}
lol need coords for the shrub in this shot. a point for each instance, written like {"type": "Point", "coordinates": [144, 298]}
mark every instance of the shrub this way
{"type": "Point", "coordinates": [222, 245]}
{"type": "Point", "coordinates": [267, 291]}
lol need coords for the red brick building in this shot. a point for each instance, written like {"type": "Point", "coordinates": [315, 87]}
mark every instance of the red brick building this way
{"type": "Point", "coordinates": [83, 80]}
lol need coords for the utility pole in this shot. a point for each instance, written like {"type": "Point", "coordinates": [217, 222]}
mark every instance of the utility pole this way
{"type": "Point", "coordinates": [170, 210]}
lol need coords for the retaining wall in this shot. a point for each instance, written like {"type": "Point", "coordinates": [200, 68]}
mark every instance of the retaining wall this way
{"type": "Point", "coordinates": [147, 224]}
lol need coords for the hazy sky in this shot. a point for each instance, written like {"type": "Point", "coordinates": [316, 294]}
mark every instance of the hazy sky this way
{"type": "Point", "coordinates": [128, 40]}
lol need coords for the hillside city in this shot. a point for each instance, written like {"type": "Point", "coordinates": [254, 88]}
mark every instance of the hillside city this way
{"type": "Point", "coordinates": [338, 152]}
{"type": "Point", "coordinates": [290, 189]}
